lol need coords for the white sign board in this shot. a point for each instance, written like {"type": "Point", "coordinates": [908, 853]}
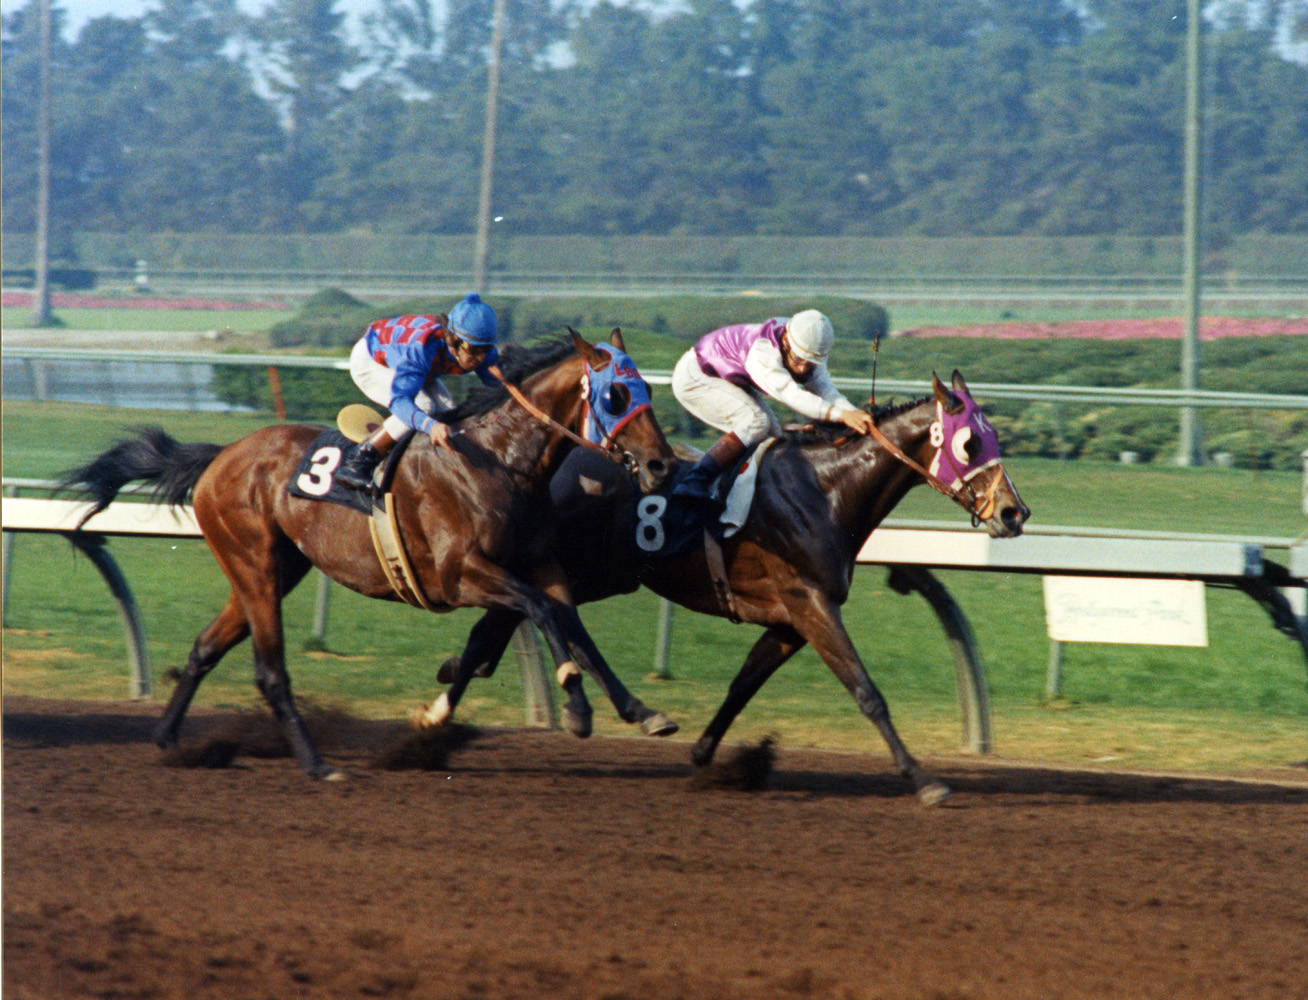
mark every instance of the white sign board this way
{"type": "Point", "coordinates": [1149, 612]}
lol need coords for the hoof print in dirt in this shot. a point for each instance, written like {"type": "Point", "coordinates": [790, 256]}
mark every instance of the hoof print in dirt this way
{"type": "Point", "coordinates": [427, 750]}
{"type": "Point", "coordinates": [747, 769]}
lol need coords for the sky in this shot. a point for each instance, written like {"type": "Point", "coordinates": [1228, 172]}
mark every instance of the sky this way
{"type": "Point", "coordinates": [81, 11]}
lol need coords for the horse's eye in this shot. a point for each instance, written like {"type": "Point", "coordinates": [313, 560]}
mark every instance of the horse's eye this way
{"type": "Point", "coordinates": [616, 398]}
{"type": "Point", "coordinates": [965, 446]}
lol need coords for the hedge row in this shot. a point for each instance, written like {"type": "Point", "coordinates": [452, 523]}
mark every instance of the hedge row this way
{"type": "Point", "coordinates": [658, 330]}
{"type": "Point", "coordinates": [333, 318]}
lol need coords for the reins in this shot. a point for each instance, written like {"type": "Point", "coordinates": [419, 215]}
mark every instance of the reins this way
{"type": "Point", "coordinates": [966, 497]}
{"type": "Point", "coordinates": [520, 398]}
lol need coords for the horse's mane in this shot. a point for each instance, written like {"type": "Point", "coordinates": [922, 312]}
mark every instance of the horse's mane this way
{"type": "Point", "coordinates": [517, 361]}
{"type": "Point", "coordinates": [828, 432]}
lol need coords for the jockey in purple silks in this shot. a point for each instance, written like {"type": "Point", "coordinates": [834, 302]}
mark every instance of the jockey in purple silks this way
{"type": "Point", "coordinates": [721, 378]}
{"type": "Point", "coordinates": [397, 363]}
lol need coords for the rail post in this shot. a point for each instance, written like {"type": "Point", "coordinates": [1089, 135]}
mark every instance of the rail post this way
{"type": "Point", "coordinates": [973, 693]}
{"type": "Point", "coordinates": [538, 693]}
{"type": "Point", "coordinates": [7, 558]}
{"type": "Point", "coordinates": [318, 641]}
{"type": "Point", "coordinates": [93, 547]}
{"type": "Point", "coordinates": [663, 641]}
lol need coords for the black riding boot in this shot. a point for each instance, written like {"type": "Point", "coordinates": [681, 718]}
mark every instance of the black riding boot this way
{"type": "Point", "coordinates": [357, 469]}
{"type": "Point", "coordinates": [697, 485]}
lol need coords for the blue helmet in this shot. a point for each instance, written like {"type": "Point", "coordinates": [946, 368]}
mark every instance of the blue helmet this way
{"type": "Point", "coordinates": [474, 321]}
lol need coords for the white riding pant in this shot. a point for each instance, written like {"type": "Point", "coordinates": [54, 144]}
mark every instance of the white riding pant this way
{"type": "Point", "coordinates": [722, 404]}
{"type": "Point", "coordinates": [374, 380]}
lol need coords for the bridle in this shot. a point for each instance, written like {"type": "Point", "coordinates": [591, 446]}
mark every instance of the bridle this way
{"type": "Point", "coordinates": [980, 507]}
{"type": "Point", "coordinates": [608, 449]}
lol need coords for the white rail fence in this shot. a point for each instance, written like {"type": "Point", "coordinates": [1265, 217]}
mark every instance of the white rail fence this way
{"type": "Point", "coordinates": [910, 551]}
{"type": "Point", "coordinates": [181, 379]}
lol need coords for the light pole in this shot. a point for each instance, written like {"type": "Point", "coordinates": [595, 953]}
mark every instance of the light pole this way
{"type": "Point", "coordinates": [481, 246]}
{"type": "Point", "coordinates": [41, 286]}
{"type": "Point", "coordinates": [1190, 452]}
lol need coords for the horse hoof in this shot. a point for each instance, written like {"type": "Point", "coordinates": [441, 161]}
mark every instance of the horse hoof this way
{"type": "Point", "coordinates": [325, 772]}
{"type": "Point", "coordinates": [659, 724]}
{"type": "Point", "coordinates": [434, 716]}
{"type": "Point", "coordinates": [933, 793]}
{"type": "Point", "coordinates": [445, 674]}
{"type": "Point", "coordinates": [578, 725]}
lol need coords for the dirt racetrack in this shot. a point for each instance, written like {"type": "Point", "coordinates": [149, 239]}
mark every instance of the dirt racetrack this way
{"type": "Point", "coordinates": [537, 865]}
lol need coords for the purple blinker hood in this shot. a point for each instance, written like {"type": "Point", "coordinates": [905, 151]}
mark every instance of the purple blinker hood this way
{"type": "Point", "coordinates": [951, 433]}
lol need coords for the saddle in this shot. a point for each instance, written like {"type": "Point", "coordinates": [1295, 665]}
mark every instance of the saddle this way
{"type": "Point", "coordinates": [313, 480]}
{"type": "Point", "coordinates": [313, 477]}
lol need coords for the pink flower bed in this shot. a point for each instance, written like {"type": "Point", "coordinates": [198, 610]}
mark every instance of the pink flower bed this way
{"type": "Point", "coordinates": [68, 300]}
{"type": "Point", "coordinates": [1210, 328]}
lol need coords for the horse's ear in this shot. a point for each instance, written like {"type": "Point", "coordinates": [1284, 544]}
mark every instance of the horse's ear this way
{"type": "Point", "coordinates": [615, 338]}
{"type": "Point", "coordinates": [959, 384]}
{"type": "Point", "coordinates": [950, 403]}
{"type": "Point", "coordinates": [596, 359]}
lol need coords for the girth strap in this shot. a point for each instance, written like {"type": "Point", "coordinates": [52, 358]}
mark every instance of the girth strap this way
{"type": "Point", "coordinates": [394, 560]}
{"type": "Point", "coordinates": [718, 574]}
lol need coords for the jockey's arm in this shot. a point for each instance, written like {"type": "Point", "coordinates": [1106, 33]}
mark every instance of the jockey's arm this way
{"type": "Point", "coordinates": [767, 369]}
{"type": "Point", "coordinates": [411, 368]}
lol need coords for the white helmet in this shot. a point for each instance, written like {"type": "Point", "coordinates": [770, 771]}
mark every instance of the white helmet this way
{"type": "Point", "coordinates": [811, 335]}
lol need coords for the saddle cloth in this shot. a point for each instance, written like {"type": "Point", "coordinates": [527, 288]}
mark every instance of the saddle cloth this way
{"type": "Point", "coordinates": [664, 525]}
{"type": "Point", "coordinates": [313, 478]}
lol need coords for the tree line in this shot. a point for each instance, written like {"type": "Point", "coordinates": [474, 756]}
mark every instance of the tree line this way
{"type": "Point", "coordinates": [779, 117]}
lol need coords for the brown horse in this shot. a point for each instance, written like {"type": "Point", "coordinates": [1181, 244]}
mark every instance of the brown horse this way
{"type": "Point", "coordinates": [818, 495]}
{"type": "Point", "coordinates": [476, 520]}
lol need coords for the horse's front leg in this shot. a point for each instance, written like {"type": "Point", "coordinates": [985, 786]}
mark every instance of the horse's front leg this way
{"type": "Point", "coordinates": [486, 644]}
{"type": "Point", "coordinates": [628, 706]}
{"type": "Point", "coordinates": [822, 626]}
{"type": "Point", "coordinates": [552, 581]}
{"type": "Point", "coordinates": [774, 647]}
{"type": "Point", "coordinates": [485, 584]}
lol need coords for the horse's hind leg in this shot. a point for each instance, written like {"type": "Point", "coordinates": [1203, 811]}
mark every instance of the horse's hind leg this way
{"type": "Point", "coordinates": [774, 647]}
{"type": "Point", "coordinates": [824, 629]}
{"type": "Point", "coordinates": [261, 575]}
{"type": "Point", "coordinates": [224, 632]}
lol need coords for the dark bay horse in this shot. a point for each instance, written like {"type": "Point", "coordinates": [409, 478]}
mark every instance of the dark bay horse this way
{"type": "Point", "coordinates": [476, 520]}
{"type": "Point", "coordinates": [818, 495]}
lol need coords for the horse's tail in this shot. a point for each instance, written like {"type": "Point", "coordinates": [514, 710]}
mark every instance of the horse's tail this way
{"type": "Point", "coordinates": [152, 456]}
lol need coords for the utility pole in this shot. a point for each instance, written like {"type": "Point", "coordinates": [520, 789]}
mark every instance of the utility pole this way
{"type": "Point", "coordinates": [41, 296]}
{"type": "Point", "coordinates": [481, 247]}
{"type": "Point", "coordinates": [1191, 452]}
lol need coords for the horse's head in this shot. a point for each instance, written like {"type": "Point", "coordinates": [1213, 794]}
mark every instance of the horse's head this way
{"type": "Point", "coordinates": [966, 460]}
{"type": "Point", "coordinates": [618, 415]}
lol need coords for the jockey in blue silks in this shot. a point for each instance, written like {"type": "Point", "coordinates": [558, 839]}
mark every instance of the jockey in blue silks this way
{"type": "Point", "coordinates": [397, 363]}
